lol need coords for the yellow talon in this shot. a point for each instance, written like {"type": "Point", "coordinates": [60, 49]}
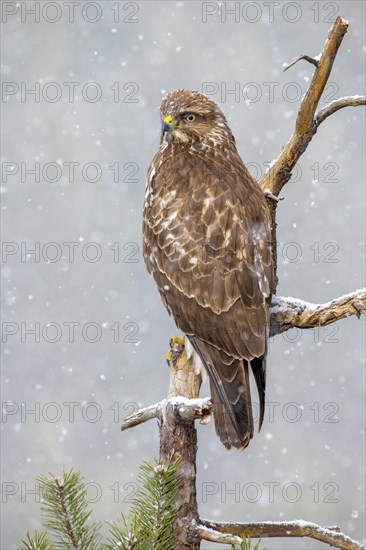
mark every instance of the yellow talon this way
{"type": "Point", "coordinates": [177, 340]}
{"type": "Point", "coordinates": [176, 347]}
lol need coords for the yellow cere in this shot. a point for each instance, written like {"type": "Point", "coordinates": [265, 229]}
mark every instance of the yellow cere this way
{"type": "Point", "coordinates": [168, 119]}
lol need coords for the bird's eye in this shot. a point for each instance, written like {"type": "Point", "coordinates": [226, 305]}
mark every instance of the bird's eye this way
{"type": "Point", "coordinates": [190, 117]}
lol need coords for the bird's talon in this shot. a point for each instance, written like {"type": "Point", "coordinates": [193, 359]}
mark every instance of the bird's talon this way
{"type": "Point", "coordinates": [175, 340]}
{"type": "Point", "coordinates": [176, 347]}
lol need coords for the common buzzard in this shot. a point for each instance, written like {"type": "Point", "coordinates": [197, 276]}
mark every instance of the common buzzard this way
{"type": "Point", "coordinates": [206, 234]}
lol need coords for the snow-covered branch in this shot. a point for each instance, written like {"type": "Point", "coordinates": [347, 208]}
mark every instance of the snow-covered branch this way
{"type": "Point", "coordinates": [141, 416]}
{"type": "Point", "coordinates": [174, 409]}
{"type": "Point", "coordinates": [288, 312]}
{"type": "Point", "coordinates": [230, 532]}
{"type": "Point", "coordinates": [215, 536]}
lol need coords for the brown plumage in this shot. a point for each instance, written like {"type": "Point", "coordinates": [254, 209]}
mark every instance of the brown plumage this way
{"type": "Point", "coordinates": [206, 242]}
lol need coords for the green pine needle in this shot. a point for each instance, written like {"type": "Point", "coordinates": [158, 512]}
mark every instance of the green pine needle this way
{"type": "Point", "coordinates": [66, 517]}
{"type": "Point", "coordinates": [154, 511]}
{"type": "Point", "coordinates": [155, 507]}
{"type": "Point", "coordinates": [39, 541]}
{"type": "Point", "coordinates": [122, 536]}
{"type": "Point", "coordinates": [65, 512]}
{"type": "Point", "coordinates": [247, 545]}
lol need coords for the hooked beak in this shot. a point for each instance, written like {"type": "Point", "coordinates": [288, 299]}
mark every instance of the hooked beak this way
{"type": "Point", "coordinates": [167, 125]}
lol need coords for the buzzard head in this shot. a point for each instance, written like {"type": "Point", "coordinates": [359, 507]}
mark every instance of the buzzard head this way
{"type": "Point", "coordinates": [189, 116]}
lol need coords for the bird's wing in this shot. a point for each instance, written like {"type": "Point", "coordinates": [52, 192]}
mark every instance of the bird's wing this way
{"type": "Point", "coordinates": [207, 243]}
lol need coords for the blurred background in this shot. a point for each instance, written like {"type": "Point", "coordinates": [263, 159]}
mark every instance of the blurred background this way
{"type": "Point", "coordinates": [84, 331]}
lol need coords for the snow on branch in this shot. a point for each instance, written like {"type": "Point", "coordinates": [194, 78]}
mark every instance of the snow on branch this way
{"type": "Point", "coordinates": [173, 409]}
{"type": "Point", "coordinates": [334, 106]}
{"type": "Point", "coordinates": [141, 416]}
{"type": "Point", "coordinates": [289, 313]}
{"type": "Point", "coordinates": [230, 532]}
{"type": "Point", "coordinates": [307, 120]}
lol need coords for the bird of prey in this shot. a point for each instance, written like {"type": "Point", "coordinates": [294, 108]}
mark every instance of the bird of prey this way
{"type": "Point", "coordinates": [206, 241]}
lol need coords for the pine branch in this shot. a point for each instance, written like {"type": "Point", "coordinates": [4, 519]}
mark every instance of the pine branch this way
{"type": "Point", "coordinates": [155, 507]}
{"type": "Point", "coordinates": [154, 511]}
{"type": "Point", "coordinates": [65, 512]}
{"type": "Point", "coordinates": [151, 524]}
{"type": "Point", "coordinates": [123, 535]}
{"type": "Point", "coordinates": [246, 544]}
{"type": "Point", "coordinates": [37, 541]}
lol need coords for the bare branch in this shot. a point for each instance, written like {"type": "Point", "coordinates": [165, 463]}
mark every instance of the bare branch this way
{"type": "Point", "coordinates": [279, 174]}
{"type": "Point", "coordinates": [312, 60]}
{"type": "Point", "coordinates": [174, 409]}
{"type": "Point", "coordinates": [297, 528]}
{"type": "Point", "coordinates": [288, 313]}
{"type": "Point", "coordinates": [171, 410]}
{"type": "Point", "coordinates": [320, 78]}
{"type": "Point", "coordinates": [141, 416]}
{"type": "Point", "coordinates": [216, 536]}
{"type": "Point", "coordinates": [334, 106]}
{"type": "Point", "coordinates": [307, 123]}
